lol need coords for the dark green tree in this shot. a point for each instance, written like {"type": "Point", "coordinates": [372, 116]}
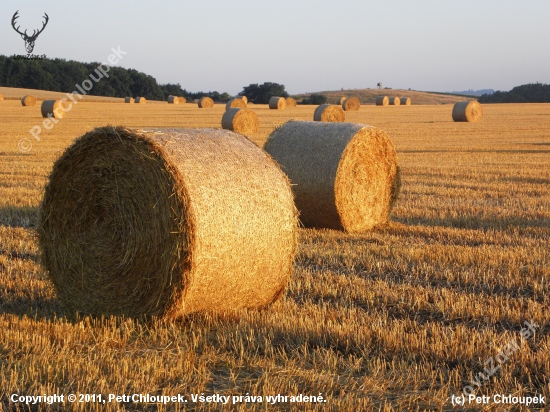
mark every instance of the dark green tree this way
{"type": "Point", "coordinates": [262, 93]}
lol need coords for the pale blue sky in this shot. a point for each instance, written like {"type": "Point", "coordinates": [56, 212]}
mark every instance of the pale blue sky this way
{"type": "Point", "coordinates": [306, 45]}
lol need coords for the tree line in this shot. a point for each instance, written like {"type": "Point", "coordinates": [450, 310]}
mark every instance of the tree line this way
{"type": "Point", "coordinates": [526, 93]}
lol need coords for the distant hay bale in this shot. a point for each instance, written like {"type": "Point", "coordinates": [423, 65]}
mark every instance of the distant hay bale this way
{"type": "Point", "coordinates": [235, 103]}
{"type": "Point", "coordinates": [342, 99]}
{"type": "Point", "coordinates": [351, 103]}
{"type": "Point", "coordinates": [206, 102]}
{"type": "Point", "coordinates": [244, 99]}
{"type": "Point", "coordinates": [329, 113]}
{"type": "Point", "coordinates": [173, 100]}
{"type": "Point", "coordinates": [290, 102]}
{"type": "Point", "coordinates": [395, 101]}
{"type": "Point", "coordinates": [182, 99]}
{"type": "Point", "coordinates": [28, 100]}
{"type": "Point", "coordinates": [53, 108]}
{"type": "Point", "coordinates": [1, 96]}
{"type": "Point", "coordinates": [165, 223]}
{"type": "Point", "coordinates": [239, 120]}
{"type": "Point", "coordinates": [128, 100]}
{"type": "Point", "coordinates": [405, 101]}
{"type": "Point", "coordinates": [467, 111]}
{"type": "Point", "coordinates": [344, 175]}
{"type": "Point", "coordinates": [277, 103]}
{"type": "Point", "coordinates": [382, 100]}
{"type": "Point", "coordinates": [141, 100]}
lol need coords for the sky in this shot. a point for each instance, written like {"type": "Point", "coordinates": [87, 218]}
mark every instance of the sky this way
{"type": "Point", "coordinates": [207, 45]}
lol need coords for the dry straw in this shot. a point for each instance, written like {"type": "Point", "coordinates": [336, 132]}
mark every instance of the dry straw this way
{"type": "Point", "coordinates": [239, 120]}
{"type": "Point", "coordinates": [141, 100]}
{"type": "Point", "coordinates": [329, 113]}
{"type": "Point", "coordinates": [244, 99]}
{"type": "Point", "coordinates": [405, 101]}
{"type": "Point", "coordinates": [467, 111]}
{"type": "Point", "coordinates": [1, 96]}
{"type": "Point", "coordinates": [290, 102]}
{"type": "Point", "coordinates": [382, 100]}
{"type": "Point", "coordinates": [351, 103]}
{"type": "Point", "coordinates": [28, 100]}
{"type": "Point", "coordinates": [173, 100]}
{"type": "Point", "coordinates": [206, 102]}
{"type": "Point", "coordinates": [395, 101]}
{"type": "Point", "coordinates": [344, 175]}
{"type": "Point", "coordinates": [277, 103]}
{"type": "Point", "coordinates": [235, 103]}
{"type": "Point", "coordinates": [165, 223]}
{"type": "Point", "coordinates": [53, 108]}
{"type": "Point", "coordinates": [128, 100]}
{"type": "Point", "coordinates": [342, 100]}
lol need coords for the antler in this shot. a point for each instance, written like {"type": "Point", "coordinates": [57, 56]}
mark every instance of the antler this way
{"type": "Point", "coordinates": [13, 19]}
{"type": "Point", "coordinates": [43, 25]}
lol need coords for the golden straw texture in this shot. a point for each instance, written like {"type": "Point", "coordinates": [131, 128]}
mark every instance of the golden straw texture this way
{"type": "Point", "coordinates": [277, 103]}
{"type": "Point", "coordinates": [290, 102]}
{"type": "Point", "coordinates": [206, 102]}
{"type": "Point", "coordinates": [141, 100]}
{"type": "Point", "coordinates": [1, 96]}
{"type": "Point", "coordinates": [329, 113]}
{"type": "Point", "coordinates": [342, 100]}
{"type": "Point", "coordinates": [235, 103]}
{"type": "Point", "coordinates": [173, 100]}
{"type": "Point", "coordinates": [344, 175]}
{"type": "Point", "coordinates": [239, 120]}
{"type": "Point", "coordinates": [28, 100]}
{"type": "Point", "coordinates": [395, 101]}
{"type": "Point", "coordinates": [165, 223]}
{"type": "Point", "coordinates": [382, 100]}
{"type": "Point", "coordinates": [128, 100]}
{"type": "Point", "coordinates": [351, 103]}
{"type": "Point", "coordinates": [467, 111]}
{"type": "Point", "coordinates": [243, 98]}
{"type": "Point", "coordinates": [405, 101]}
{"type": "Point", "coordinates": [53, 108]}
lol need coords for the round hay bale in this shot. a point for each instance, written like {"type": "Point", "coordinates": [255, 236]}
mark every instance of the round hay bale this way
{"type": "Point", "coordinates": [1, 96]}
{"type": "Point", "coordinates": [128, 100]}
{"type": "Point", "coordinates": [206, 102]}
{"type": "Point", "coordinates": [290, 102]}
{"type": "Point", "coordinates": [141, 100]}
{"type": "Point", "coordinates": [173, 100]}
{"type": "Point", "coordinates": [351, 103]}
{"type": "Point", "coordinates": [405, 101]}
{"type": "Point", "coordinates": [382, 100]}
{"type": "Point", "coordinates": [239, 120]}
{"type": "Point", "coordinates": [28, 100]}
{"type": "Point", "coordinates": [182, 99]}
{"type": "Point", "coordinates": [277, 103]}
{"type": "Point", "coordinates": [395, 101]}
{"type": "Point", "coordinates": [244, 99]}
{"type": "Point", "coordinates": [235, 103]}
{"type": "Point", "coordinates": [329, 113]}
{"type": "Point", "coordinates": [467, 111]}
{"type": "Point", "coordinates": [342, 99]}
{"type": "Point", "coordinates": [343, 175]}
{"type": "Point", "coordinates": [53, 108]}
{"type": "Point", "coordinates": [165, 223]}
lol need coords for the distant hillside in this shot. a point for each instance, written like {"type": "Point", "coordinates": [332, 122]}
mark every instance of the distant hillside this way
{"type": "Point", "coordinates": [471, 92]}
{"type": "Point", "coordinates": [368, 96]}
{"type": "Point", "coordinates": [527, 93]}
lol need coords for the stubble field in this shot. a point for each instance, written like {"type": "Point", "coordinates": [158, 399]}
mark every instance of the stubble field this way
{"type": "Point", "coordinates": [400, 318]}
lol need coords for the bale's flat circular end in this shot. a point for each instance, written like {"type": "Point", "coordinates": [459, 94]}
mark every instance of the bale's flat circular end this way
{"type": "Point", "coordinates": [206, 102]}
{"type": "Point", "coordinates": [1, 96]}
{"type": "Point", "coordinates": [28, 100]}
{"type": "Point", "coordinates": [329, 113]}
{"type": "Point", "coordinates": [351, 103]}
{"type": "Point", "coordinates": [235, 103]}
{"type": "Point", "coordinates": [244, 99]}
{"type": "Point", "coordinates": [395, 101]}
{"type": "Point", "coordinates": [277, 103]}
{"type": "Point", "coordinates": [173, 100]}
{"type": "Point", "coordinates": [382, 100]}
{"type": "Point", "coordinates": [53, 108]}
{"type": "Point", "coordinates": [405, 101]}
{"type": "Point", "coordinates": [290, 102]}
{"type": "Point", "coordinates": [239, 120]}
{"type": "Point", "coordinates": [342, 100]}
{"type": "Point", "coordinates": [467, 111]}
{"type": "Point", "coordinates": [128, 100]}
{"type": "Point", "coordinates": [141, 100]}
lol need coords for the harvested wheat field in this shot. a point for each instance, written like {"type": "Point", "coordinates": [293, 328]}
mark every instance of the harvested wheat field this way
{"type": "Point", "coordinates": [397, 319]}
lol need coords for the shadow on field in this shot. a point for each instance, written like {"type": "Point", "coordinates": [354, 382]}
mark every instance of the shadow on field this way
{"type": "Point", "coordinates": [36, 307]}
{"type": "Point", "coordinates": [477, 223]}
{"type": "Point", "coordinates": [19, 216]}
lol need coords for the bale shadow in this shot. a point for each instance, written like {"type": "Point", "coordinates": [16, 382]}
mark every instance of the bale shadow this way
{"type": "Point", "coordinates": [26, 217]}
{"type": "Point", "coordinates": [476, 223]}
{"type": "Point", "coordinates": [35, 307]}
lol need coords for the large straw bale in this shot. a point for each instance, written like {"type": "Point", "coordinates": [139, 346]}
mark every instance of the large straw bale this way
{"type": "Point", "coordinates": [53, 108]}
{"type": "Point", "coordinates": [173, 100]}
{"type": "Point", "coordinates": [382, 100]}
{"type": "Point", "coordinates": [351, 103]}
{"type": "Point", "coordinates": [405, 101]}
{"type": "Point", "coordinates": [467, 111]}
{"type": "Point", "coordinates": [239, 120]}
{"type": "Point", "coordinates": [129, 100]}
{"type": "Point", "coordinates": [290, 102]}
{"type": "Point", "coordinates": [165, 223]}
{"type": "Point", "coordinates": [344, 175]}
{"type": "Point", "coordinates": [395, 101]}
{"type": "Point", "coordinates": [329, 113]}
{"type": "Point", "coordinates": [28, 100]}
{"type": "Point", "coordinates": [277, 103]}
{"type": "Point", "coordinates": [141, 100]}
{"type": "Point", "coordinates": [206, 102]}
{"type": "Point", "coordinates": [235, 103]}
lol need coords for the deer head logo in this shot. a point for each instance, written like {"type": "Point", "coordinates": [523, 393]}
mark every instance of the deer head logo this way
{"type": "Point", "coordinates": [29, 40]}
